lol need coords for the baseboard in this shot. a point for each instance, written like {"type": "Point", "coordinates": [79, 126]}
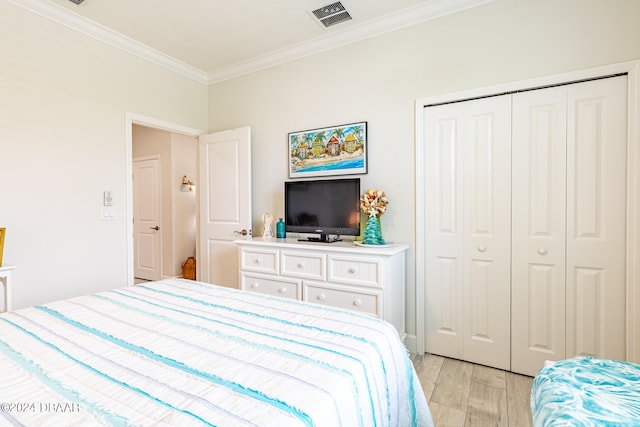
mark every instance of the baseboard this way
{"type": "Point", "coordinates": [411, 343]}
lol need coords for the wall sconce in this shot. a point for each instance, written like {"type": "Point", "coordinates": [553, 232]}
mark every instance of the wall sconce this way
{"type": "Point", "coordinates": [187, 185]}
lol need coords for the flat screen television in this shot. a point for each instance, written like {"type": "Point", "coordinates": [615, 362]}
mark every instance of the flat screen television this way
{"type": "Point", "coordinates": [325, 207]}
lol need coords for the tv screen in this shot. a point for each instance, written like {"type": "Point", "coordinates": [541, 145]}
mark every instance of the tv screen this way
{"type": "Point", "coordinates": [324, 207]}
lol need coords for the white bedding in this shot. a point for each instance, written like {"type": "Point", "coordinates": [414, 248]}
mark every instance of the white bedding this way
{"type": "Point", "coordinates": [183, 353]}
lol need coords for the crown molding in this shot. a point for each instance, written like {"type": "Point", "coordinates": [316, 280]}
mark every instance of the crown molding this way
{"type": "Point", "coordinates": [401, 19]}
{"type": "Point", "coordinates": [90, 28]}
{"type": "Point", "coordinates": [395, 21]}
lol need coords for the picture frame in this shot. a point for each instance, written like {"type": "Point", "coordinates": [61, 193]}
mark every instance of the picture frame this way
{"type": "Point", "coordinates": [2, 233]}
{"type": "Point", "coordinates": [328, 151]}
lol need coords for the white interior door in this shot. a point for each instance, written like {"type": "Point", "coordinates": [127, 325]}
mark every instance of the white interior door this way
{"type": "Point", "coordinates": [225, 203]}
{"type": "Point", "coordinates": [467, 227]}
{"type": "Point", "coordinates": [487, 229]}
{"type": "Point", "coordinates": [146, 218]}
{"type": "Point", "coordinates": [444, 234]}
{"type": "Point", "coordinates": [569, 223]}
{"type": "Point", "coordinates": [538, 237]}
{"type": "Point", "coordinates": [596, 218]}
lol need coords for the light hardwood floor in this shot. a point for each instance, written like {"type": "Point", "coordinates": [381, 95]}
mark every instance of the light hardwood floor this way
{"type": "Point", "coordinates": [465, 394]}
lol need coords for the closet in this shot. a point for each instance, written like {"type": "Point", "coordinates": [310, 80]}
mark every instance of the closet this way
{"type": "Point", "coordinates": [524, 225]}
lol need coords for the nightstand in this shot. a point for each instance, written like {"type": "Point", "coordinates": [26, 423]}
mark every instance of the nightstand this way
{"type": "Point", "coordinates": [5, 278]}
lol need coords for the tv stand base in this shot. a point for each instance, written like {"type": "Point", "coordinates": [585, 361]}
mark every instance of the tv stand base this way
{"type": "Point", "coordinates": [324, 238]}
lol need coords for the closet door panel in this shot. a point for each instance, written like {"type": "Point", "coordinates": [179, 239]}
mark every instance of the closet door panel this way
{"type": "Point", "coordinates": [596, 218]}
{"type": "Point", "coordinates": [538, 232]}
{"type": "Point", "coordinates": [443, 229]}
{"type": "Point", "coordinates": [487, 229]}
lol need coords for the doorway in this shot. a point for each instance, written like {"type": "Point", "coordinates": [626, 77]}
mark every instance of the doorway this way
{"type": "Point", "coordinates": [176, 148]}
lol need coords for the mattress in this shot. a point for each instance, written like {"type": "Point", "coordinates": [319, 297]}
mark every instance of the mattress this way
{"type": "Point", "coordinates": [586, 391]}
{"type": "Point", "coordinates": [184, 353]}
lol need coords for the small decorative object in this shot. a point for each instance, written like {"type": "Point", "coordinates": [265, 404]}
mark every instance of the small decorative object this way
{"type": "Point", "coordinates": [280, 234]}
{"type": "Point", "coordinates": [189, 268]}
{"type": "Point", "coordinates": [373, 203]}
{"type": "Point", "coordinates": [186, 185]}
{"type": "Point", "coordinates": [267, 231]}
{"type": "Point", "coordinates": [335, 150]}
{"type": "Point", "coordinates": [2, 233]}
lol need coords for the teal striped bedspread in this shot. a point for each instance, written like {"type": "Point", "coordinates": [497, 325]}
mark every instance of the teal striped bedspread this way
{"type": "Point", "coordinates": [587, 391]}
{"type": "Point", "coordinates": [183, 353]}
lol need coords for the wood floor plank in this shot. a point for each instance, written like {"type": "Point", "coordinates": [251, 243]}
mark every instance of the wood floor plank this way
{"type": "Point", "coordinates": [490, 376]}
{"type": "Point", "coordinates": [488, 403]}
{"type": "Point", "coordinates": [453, 385]}
{"type": "Point", "coordinates": [445, 416]}
{"type": "Point", "coordinates": [465, 394]}
{"type": "Point", "coordinates": [428, 369]}
{"type": "Point", "coordinates": [518, 402]}
{"type": "Point", "coordinates": [471, 421]}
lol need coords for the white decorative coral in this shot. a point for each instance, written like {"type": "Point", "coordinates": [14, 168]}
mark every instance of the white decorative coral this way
{"type": "Point", "coordinates": [374, 202]}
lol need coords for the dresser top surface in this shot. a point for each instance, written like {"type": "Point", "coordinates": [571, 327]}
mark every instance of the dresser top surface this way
{"type": "Point", "coordinates": [341, 246]}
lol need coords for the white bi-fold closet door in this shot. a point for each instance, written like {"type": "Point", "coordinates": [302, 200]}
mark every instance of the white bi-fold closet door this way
{"type": "Point", "coordinates": [569, 223]}
{"type": "Point", "coordinates": [524, 225]}
{"type": "Point", "coordinates": [467, 225]}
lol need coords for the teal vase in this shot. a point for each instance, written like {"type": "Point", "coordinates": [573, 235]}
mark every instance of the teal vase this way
{"type": "Point", "coordinates": [373, 232]}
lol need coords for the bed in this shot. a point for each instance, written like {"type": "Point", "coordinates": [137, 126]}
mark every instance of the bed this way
{"type": "Point", "coordinates": [183, 353]}
{"type": "Point", "coordinates": [586, 391]}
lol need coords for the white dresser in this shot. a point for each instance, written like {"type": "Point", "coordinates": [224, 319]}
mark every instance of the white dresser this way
{"type": "Point", "coordinates": [341, 274]}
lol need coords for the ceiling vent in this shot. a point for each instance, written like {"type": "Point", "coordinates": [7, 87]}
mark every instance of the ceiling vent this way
{"type": "Point", "coordinates": [76, 1]}
{"type": "Point", "coordinates": [331, 14]}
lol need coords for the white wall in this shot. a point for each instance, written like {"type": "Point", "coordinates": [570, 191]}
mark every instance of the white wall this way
{"type": "Point", "coordinates": [64, 96]}
{"type": "Point", "coordinates": [63, 102]}
{"type": "Point", "coordinates": [378, 80]}
{"type": "Point", "coordinates": [184, 156]}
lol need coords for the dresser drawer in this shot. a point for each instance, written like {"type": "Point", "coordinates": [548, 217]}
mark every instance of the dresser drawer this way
{"type": "Point", "coordinates": [260, 260]}
{"type": "Point", "coordinates": [306, 265]}
{"type": "Point", "coordinates": [351, 299]}
{"type": "Point", "coordinates": [266, 285]}
{"type": "Point", "coordinates": [355, 271]}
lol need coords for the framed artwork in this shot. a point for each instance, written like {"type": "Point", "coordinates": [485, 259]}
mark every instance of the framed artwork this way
{"type": "Point", "coordinates": [335, 150]}
{"type": "Point", "coordinates": [2, 233]}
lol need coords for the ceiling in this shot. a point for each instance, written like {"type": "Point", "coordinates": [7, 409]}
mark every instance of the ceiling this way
{"type": "Point", "coordinates": [213, 40]}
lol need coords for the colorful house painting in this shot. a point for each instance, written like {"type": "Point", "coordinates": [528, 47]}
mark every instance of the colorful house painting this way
{"type": "Point", "coordinates": [350, 143]}
{"type": "Point", "coordinates": [333, 146]}
{"type": "Point", "coordinates": [317, 148]}
{"type": "Point", "coordinates": [302, 149]}
{"type": "Point", "coordinates": [336, 150]}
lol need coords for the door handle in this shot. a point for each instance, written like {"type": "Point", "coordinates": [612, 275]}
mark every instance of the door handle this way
{"type": "Point", "coordinates": [243, 232]}
{"type": "Point", "coordinates": [155, 228]}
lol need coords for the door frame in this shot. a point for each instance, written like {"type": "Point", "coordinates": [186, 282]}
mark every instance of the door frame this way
{"type": "Point", "coordinates": [416, 343]}
{"type": "Point", "coordinates": [138, 119]}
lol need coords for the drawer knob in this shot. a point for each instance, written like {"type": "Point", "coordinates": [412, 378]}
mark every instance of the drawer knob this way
{"type": "Point", "coordinates": [254, 285]}
{"type": "Point", "coordinates": [357, 303]}
{"type": "Point", "coordinates": [256, 261]}
{"type": "Point", "coordinates": [482, 248]}
{"type": "Point", "coordinates": [300, 265]}
{"type": "Point", "coordinates": [282, 290]}
{"type": "Point", "coordinates": [321, 297]}
{"type": "Point", "coordinates": [352, 270]}
{"type": "Point", "coordinates": [542, 251]}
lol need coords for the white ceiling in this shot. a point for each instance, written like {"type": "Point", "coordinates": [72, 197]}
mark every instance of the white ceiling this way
{"type": "Point", "coordinates": [213, 40]}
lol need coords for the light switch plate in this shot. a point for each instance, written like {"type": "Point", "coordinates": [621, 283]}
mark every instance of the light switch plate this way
{"type": "Point", "coordinates": [108, 213]}
{"type": "Point", "coordinates": [107, 200]}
